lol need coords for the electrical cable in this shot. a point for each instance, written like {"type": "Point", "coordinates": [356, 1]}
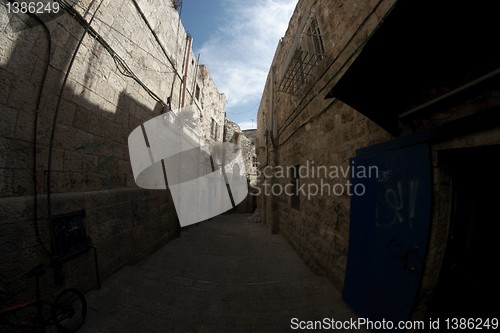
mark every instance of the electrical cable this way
{"type": "Point", "coordinates": [87, 10]}
{"type": "Point", "coordinates": [163, 49]}
{"type": "Point", "coordinates": [136, 45]}
{"type": "Point", "coordinates": [305, 123]}
{"type": "Point", "coordinates": [139, 10]}
{"type": "Point", "coordinates": [56, 113]}
{"type": "Point", "coordinates": [120, 63]}
{"type": "Point", "coordinates": [183, 83]}
{"type": "Point", "coordinates": [122, 67]}
{"type": "Point", "coordinates": [35, 130]}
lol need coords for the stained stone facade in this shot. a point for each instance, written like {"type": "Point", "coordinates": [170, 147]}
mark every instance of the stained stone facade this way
{"type": "Point", "coordinates": [251, 155]}
{"type": "Point", "coordinates": [334, 97]}
{"type": "Point", "coordinates": [300, 127]}
{"type": "Point", "coordinates": [235, 135]}
{"type": "Point", "coordinates": [134, 63]}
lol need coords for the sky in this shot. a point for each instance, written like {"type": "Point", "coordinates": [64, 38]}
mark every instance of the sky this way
{"type": "Point", "coordinates": [236, 40]}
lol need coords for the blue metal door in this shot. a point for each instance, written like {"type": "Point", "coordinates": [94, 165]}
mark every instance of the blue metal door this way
{"type": "Point", "coordinates": [389, 230]}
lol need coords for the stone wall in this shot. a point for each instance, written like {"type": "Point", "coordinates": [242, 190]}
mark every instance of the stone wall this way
{"type": "Point", "coordinates": [84, 145]}
{"type": "Point", "coordinates": [211, 106]}
{"type": "Point", "coordinates": [251, 156]}
{"type": "Point", "coordinates": [305, 129]}
{"type": "Point", "coordinates": [300, 128]}
{"type": "Point", "coordinates": [233, 134]}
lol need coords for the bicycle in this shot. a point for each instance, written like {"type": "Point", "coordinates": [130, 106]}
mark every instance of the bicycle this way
{"type": "Point", "coordinates": [66, 312]}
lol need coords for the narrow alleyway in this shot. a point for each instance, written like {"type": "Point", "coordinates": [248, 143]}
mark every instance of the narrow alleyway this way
{"type": "Point", "coordinates": [224, 275]}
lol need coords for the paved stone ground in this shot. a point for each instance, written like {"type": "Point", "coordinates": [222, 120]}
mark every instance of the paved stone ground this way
{"type": "Point", "coordinates": [224, 275]}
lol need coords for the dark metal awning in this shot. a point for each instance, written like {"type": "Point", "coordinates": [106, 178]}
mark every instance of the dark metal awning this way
{"type": "Point", "coordinates": [424, 51]}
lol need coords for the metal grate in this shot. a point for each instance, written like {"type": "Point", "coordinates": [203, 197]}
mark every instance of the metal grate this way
{"type": "Point", "coordinates": [306, 52]}
{"type": "Point", "coordinates": [299, 71]}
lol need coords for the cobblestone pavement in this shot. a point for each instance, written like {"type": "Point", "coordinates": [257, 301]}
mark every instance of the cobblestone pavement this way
{"type": "Point", "coordinates": [223, 275]}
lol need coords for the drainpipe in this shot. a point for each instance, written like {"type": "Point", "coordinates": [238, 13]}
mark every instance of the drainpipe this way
{"type": "Point", "coordinates": [185, 66]}
{"type": "Point", "coordinates": [275, 217]}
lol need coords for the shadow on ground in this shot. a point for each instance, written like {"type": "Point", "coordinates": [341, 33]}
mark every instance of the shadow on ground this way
{"type": "Point", "coordinates": [224, 275]}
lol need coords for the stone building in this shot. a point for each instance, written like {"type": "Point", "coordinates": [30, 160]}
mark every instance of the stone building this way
{"type": "Point", "coordinates": [245, 141]}
{"type": "Point", "coordinates": [67, 107]}
{"type": "Point", "coordinates": [376, 135]}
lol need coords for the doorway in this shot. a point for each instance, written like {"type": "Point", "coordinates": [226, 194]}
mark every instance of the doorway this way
{"type": "Point", "coordinates": [468, 284]}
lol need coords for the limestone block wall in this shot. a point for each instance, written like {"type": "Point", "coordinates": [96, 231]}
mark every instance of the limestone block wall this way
{"type": "Point", "coordinates": [303, 129]}
{"type": "Point", "coordinates": [135, 57]}
{"type": "Point", "coordinates": [233, 134]}
{"type": "Point", "coordinates": [211, 106]}
{"type": "Point", "coordinates": [306, 130]}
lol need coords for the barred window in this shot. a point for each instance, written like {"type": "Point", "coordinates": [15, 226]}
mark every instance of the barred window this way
{"type": "Point", "coordinates": [306, 52]}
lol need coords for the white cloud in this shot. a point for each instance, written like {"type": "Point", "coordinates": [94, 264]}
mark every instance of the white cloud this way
{"type": "Point", "coordinates": [240, 53]}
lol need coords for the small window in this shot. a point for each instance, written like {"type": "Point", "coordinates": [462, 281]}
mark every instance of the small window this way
{"type": "Point", "coordinates": [214, 129]}
{"type": "Point", "coordinates": [315, 41]}
{"type": "Point", "coordinates": [295, 198]}
{"type": "Point", "coordinates": [254, 161]}
{"type": "Point", "coordinates": [197, 92]}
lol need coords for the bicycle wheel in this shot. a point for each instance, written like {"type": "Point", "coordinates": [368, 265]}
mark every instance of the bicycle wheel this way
{"type": "Point", "coordinates": [69, 310]}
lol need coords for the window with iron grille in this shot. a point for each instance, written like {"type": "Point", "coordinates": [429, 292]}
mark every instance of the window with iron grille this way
{"type": "Point", "coordinates": [306, 52]}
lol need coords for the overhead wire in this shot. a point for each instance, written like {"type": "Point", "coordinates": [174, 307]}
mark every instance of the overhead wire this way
{"type": "Point", "coordinates": [153, 32]}
{"type": "Point", "coordinates": [35, 130]}
{"type": "Point", "coordinates": [138, 46]}
{"type": "Point", "coordinates": [121, 65]}
{"type": "Point", "coordinates": [54, 121]}
{"type": "Point", "coordinates": [141, 13]}
{"type": "Point", "coordinates": [119, 62]}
